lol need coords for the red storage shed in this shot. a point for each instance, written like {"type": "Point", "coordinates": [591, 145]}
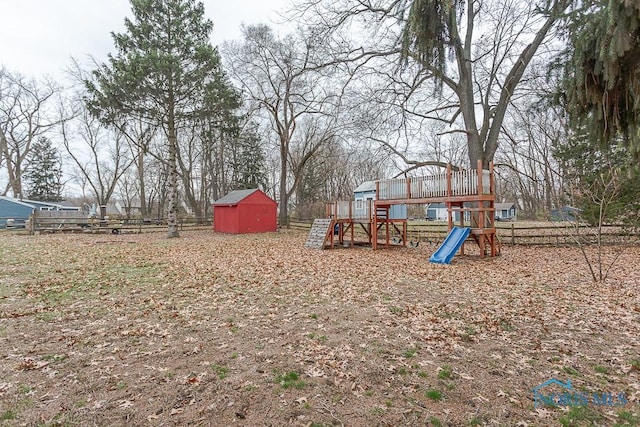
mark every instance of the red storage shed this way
{"type": "Point", "coordinates": [245, 211]}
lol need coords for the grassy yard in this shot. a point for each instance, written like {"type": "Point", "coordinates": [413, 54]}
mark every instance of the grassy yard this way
{"type": "Point", "coordinates": [257, 330]}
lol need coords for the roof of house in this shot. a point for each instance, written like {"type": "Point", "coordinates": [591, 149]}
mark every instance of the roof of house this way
{"type": "Point", "coordinates": [504, 206]}
{"type": "Point", "coordinates": [235, 197]}
{"type": "Point", "coordinates": [365, 187]}
{"type": "Point", "coordinates": [31, 203]}
{"type": "Point", "coordinates": [68, 204]}
{"type": "Point", "coordinates": [16, 201]}
{"type": "Point", "coordinates": [133, 203]}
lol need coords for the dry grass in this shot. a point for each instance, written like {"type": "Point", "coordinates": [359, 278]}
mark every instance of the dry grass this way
{"type": "Point", "coordinates": [256, 330]}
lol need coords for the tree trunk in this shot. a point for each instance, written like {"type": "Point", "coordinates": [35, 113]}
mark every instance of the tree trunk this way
{"type": "Point", "coordinates": [283, 217]}
{"type": "Point", "coordinates": [172, 196]}
{"type": "Point", "coordinates": [190, 195]}
{"type": "Point", "coordinates": [14, 169]}
{"type": "Point", "coordinates": [142, 193]}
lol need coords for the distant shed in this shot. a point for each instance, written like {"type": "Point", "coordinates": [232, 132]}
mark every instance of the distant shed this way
{"type": "Point", "coordinates": [245, 211]}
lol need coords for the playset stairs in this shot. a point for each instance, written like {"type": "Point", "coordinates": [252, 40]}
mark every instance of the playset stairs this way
{"type": "Point", "coordinates": [320, 231]}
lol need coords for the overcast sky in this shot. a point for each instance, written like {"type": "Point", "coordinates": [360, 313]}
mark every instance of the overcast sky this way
{"type": "Point", "coordinates": [38, 37]}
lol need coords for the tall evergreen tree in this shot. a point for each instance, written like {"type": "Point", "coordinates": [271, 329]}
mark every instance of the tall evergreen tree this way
{"type": "Point", "coordinates": [44, 174]}
{"type": "Point", "coordinates": [602, 70]}
{"type": "Point", "coordinates": [163, 70]}
{"type": "Point", "coordinates": [249, 165]}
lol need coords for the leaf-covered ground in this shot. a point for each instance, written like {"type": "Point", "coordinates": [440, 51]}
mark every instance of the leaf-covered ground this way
{"type": "Point", "coordinates": [257, 330]}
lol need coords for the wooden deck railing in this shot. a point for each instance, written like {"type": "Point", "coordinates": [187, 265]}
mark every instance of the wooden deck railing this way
{"type": "Point", "coordinates": [354, 209]}
{"type": "Point", "coordinates": [448, 184]}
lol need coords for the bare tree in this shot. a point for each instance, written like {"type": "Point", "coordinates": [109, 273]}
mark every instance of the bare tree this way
{"type": "Point", "coordinates": [127, 191]}
{"type": "Point", "coordinates": [279, 78]}
{"type": "Point", "coordinates": [24, 117]}
{"type": "Point", "coordinates": [139, 134]}
{"type": "Point", "coordinates": [307, 155]}
{"type": "Point", "coordinates": [333, 173]}
{"type": "Point", "coordinates": [100, 153]}
{"type": "Point", "coordinates": [457, 63]}
{"type": "Point", "coordinates": [156, 173]}
{"type": "Point", "coordinates": [191, 173]}
{"type": "Point", "coordinates": [602, 193]}
{"type": "Point", "coordinates": [527, 170]}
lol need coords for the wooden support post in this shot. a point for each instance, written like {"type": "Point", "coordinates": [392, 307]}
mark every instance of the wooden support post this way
{"type": "Point", "coordinates": [404, 233]}
{"type": "Point", "coordinates": [353, 225]}
{"type": "Point", "coordinates": [462, 213]}
{"type": "Point", "coordinates": [331, 225]}
{"type": "Point", "coordinates": [374, 223]}
{"type": "Point", "coordinates": [513, 234]}
{"type": "Point", "coordinates": [481, 217]}
{"type": "Point", "coordinates": [386, 225]}
{"type": "Point", "coordinates": [492, 212]}
{"type": "Point", "coordinates": [449, 180]}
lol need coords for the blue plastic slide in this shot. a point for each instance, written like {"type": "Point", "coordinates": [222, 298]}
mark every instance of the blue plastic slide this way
{"type": "Point", "coordinates": [450, 246]}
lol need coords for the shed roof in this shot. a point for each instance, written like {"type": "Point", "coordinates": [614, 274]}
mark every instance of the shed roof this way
{"type": "Point", "coordinates": [235, 197]}
{"type": "Point", "coordinates": [504, 206]}
{"type": "Point", "coordinates": [365, 187]}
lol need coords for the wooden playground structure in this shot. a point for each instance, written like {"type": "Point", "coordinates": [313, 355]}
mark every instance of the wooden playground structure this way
{"type": "Point", "coordinates": [469, 193]}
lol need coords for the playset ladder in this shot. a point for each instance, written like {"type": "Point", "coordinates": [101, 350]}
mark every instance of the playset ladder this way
{"type": "Point", "coordinates": [321, 231]}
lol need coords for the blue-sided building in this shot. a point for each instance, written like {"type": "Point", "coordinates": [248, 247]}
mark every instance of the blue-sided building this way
{"type": "Point", "coordinates": [367, 191]}
{"type": "Point", "coordinates": [16, 213]}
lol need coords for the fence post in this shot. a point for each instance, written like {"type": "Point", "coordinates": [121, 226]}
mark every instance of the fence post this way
{"type": "Point", "coordinates": [513, 234]}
